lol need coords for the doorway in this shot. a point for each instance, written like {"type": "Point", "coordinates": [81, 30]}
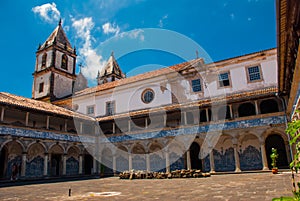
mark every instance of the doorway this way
{"type": "Point", "coordinates": [196, 162]}
{"type": "Point", "coordinates": [56, 164]}
{"type": "Point", "coordinates": [88, 164]}
{"type": "Point", "coordinates": [277, 142]}
{"type": "Point", "coordinates": [3, 163]}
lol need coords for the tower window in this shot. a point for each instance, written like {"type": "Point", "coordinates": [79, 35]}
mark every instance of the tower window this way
{"type": "Point", "coordinates": [110, 108]}
{"type": "Point", "coordinates": [224, 80]}
{"type": "Point", "coordinates": [64, 62]}
{"type": "Point", "coordinates": [254, 73]}
{"type": "Point", "coordinates": [41, 87]}
{"type": "Point", "coordinates": [44, 59]}
{"type": "Point", "coordinates": [196, 85]}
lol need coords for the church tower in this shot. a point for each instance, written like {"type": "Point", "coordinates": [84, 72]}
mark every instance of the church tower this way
{"type": "Point", "coordinates": [54, 74]}
{"type": "Point", "coordinates": [110, 72]}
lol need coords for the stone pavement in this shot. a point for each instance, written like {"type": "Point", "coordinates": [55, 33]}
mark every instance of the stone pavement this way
{"type": "Point", "coordinates": [250, 186]}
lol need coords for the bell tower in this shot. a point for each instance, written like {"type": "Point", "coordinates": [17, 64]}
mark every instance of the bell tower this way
{"type": "Point", "coordinates": [54, 73]}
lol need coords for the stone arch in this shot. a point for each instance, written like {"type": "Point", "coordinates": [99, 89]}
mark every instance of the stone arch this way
{"type": "Point", "coordinates": [249, 152]}
{"type": "Point", "coordinates": [122, 158]}
{"type": "Point", "coordinates": [275, 140]}
{"type": "Point", "coordinates": [17, 141]}
{"type": "Point", "coordinates": [246, 109]}
{"type": "Point", "coordinates": [35, 159]}
{"type": "Point", "coordinates": [138, 157]}
{"type": "Point", "coordinates": [268, 106]}
{"type": "Point", "coordinates": [13, 156]}
{"type": "Point", "coordinates": [224, 154]}
{"type": "Point", "coordinates": [176, 152]}
{"type": "Point", "coordinates": [107, 161]}
{"type": "Point", "coordinates": [157, 157]}
{"type": "Point", "coordinates": [56, 152]}
{"type": "Point", "coordinates": [72, 162]}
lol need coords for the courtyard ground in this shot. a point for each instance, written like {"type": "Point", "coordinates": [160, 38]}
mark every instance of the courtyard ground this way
{"type": "Point", "coordinates": [251, 186]}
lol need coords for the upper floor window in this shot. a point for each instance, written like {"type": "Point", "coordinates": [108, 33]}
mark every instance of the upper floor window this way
{"type": "Point", "coordinates": [41, 87]}
{"type": "Point", "coordinates": [64, 62]}
{"type": "Point", "coordinates": [148, 96]}
{"type": "Point", "coordinates": [254, 73]}
{"type": "Point", "coordinates": [196, 85]}
{"type": "Point", "coordinates": [110, 108]}
{"type": "Point", "coordinates": [90, 109]}
{"type": "Point", "coordinates": [44, 59]}
{"type": "Point", "coordinates": [224, 80]}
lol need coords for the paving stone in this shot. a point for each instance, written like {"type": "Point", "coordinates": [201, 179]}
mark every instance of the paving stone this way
{"type": "Point", "coordinates": [254, 186]}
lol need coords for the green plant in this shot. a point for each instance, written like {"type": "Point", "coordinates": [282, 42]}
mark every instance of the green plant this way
{"type": "Point", "coordinates": [274, 157]}
{"type": "Point", "coordinates": [293, 130]}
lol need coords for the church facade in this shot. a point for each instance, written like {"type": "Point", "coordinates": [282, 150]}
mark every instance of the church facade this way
{"type": "Point", "coordinates": [218, 117]}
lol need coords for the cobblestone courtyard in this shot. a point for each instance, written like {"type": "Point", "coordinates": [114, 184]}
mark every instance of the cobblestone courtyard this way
{"type": "Point", "coordinates": [254, 186]}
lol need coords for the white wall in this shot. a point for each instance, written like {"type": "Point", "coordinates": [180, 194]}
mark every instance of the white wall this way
{"type": "Point", "coordinates": [46, 80]}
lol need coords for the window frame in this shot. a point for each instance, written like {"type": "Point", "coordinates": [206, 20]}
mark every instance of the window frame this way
{"type": "Point", "coordinates": [260, 73]}
{"type": "Point", "coordinates": [107, 113]}
{"type": "Point", "coordinates": [87, 109]}
{"type": "Point", "coordinates": [64, 57]}
{"type": "Point", "coordinates": [201, 85]}
{"type": "Point", "coordinates": [41, 87]}
{"type": "Point", "coordinates": [143, 94]}
{"type": "Point", "coordinates": [229, 80]}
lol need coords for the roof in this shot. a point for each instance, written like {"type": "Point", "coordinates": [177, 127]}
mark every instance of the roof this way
{"type": "Point", "coordinates": [26, 103]}
{"type": "Point", "coordinates": [111, 67]}
{"type": "Point", "coordinates": [59, 37]}
{"type": "Point", "coordinates": [136, 78]}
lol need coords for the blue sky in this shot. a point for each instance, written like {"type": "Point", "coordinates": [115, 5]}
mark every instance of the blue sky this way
{"type": "Point", "coordinates": [223, 28]}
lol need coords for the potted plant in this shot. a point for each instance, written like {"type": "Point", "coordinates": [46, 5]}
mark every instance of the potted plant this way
{"type": "Point", "coordinates": [274, 157]}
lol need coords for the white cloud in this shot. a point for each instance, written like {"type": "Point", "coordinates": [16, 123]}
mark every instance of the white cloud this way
{"type": "Point", "coordinates": [161, 21]}
{"type": "Point", "coordinates": [92, 61]}
{"type": "Point", "coordinates": [110, 28]}
{"type": "Point", "coordinates": [47, 12]}
{"type": "Point", "coordinates": [134, 34]}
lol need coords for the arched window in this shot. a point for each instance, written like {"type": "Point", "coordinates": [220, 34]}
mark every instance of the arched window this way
{"type": "Point", "coordinates": [246, 109]}
{"type": "Point", "coordinates": [64, 62]}
{"type": "Point", "coordinates": [268, 106]}
{"type": "Point", "coordinates": [44, 59]}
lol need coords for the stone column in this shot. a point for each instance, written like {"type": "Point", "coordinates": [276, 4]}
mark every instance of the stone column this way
{"type": "Point", "coordinates": [188, 159]}
{"type": "Point", "coordinates": [114, 127]}
{"type": "Point", "coordinates": [230, 110]}
{"type": "Point", "coordinates": [212, 161]}
{"type": "Point", "coordinates": [256, 107]}
{"type": "Point", "coordinates": [23, 167]}
{"type": "Point", "coordinates": [146, 123]}
{"type": "Point", "coordinates": [263, 155]}
{"type": "Point", "coordinates": [115, 165]}
{"type": "Point", "coordinates": [207, 114]}
{"type": "Point", "coordinates": [130, 161]}
{"type": "Point", "coordinates": [46, 164]}
{"type": "Point", "coordinates": [236, 158]}
{"type": "Point", "coordinates": [47, 122]}
{"type": "Point", "coordinates": [27, 119]}
{"type": "Point", "coordinates": [129, 126]}
{"type": "Point", "coordinates": [2, 114]}
{"type": "Point", "coordinates": [80, 164]}
{"type": "Point", "coordinates": [64, 164]}
{"type": "Point", "coordinates": [94, 166]}
{"type": "Point", "coordinates": [81, 128]}
{"type": "Point", "coordinates": [66, 125]}
{"type": "Point", "coordinates": [165, 120]}
{"type": "Point", "coordinates": [148, 162]}
{"type": "Point", "coordinates": [167, 161]}
{"type": "Point", "coordinates": [184, 118]}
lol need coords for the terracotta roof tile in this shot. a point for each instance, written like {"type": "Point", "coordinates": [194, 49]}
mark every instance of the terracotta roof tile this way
{"type": "Point", "coordinates": [22, 102]}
